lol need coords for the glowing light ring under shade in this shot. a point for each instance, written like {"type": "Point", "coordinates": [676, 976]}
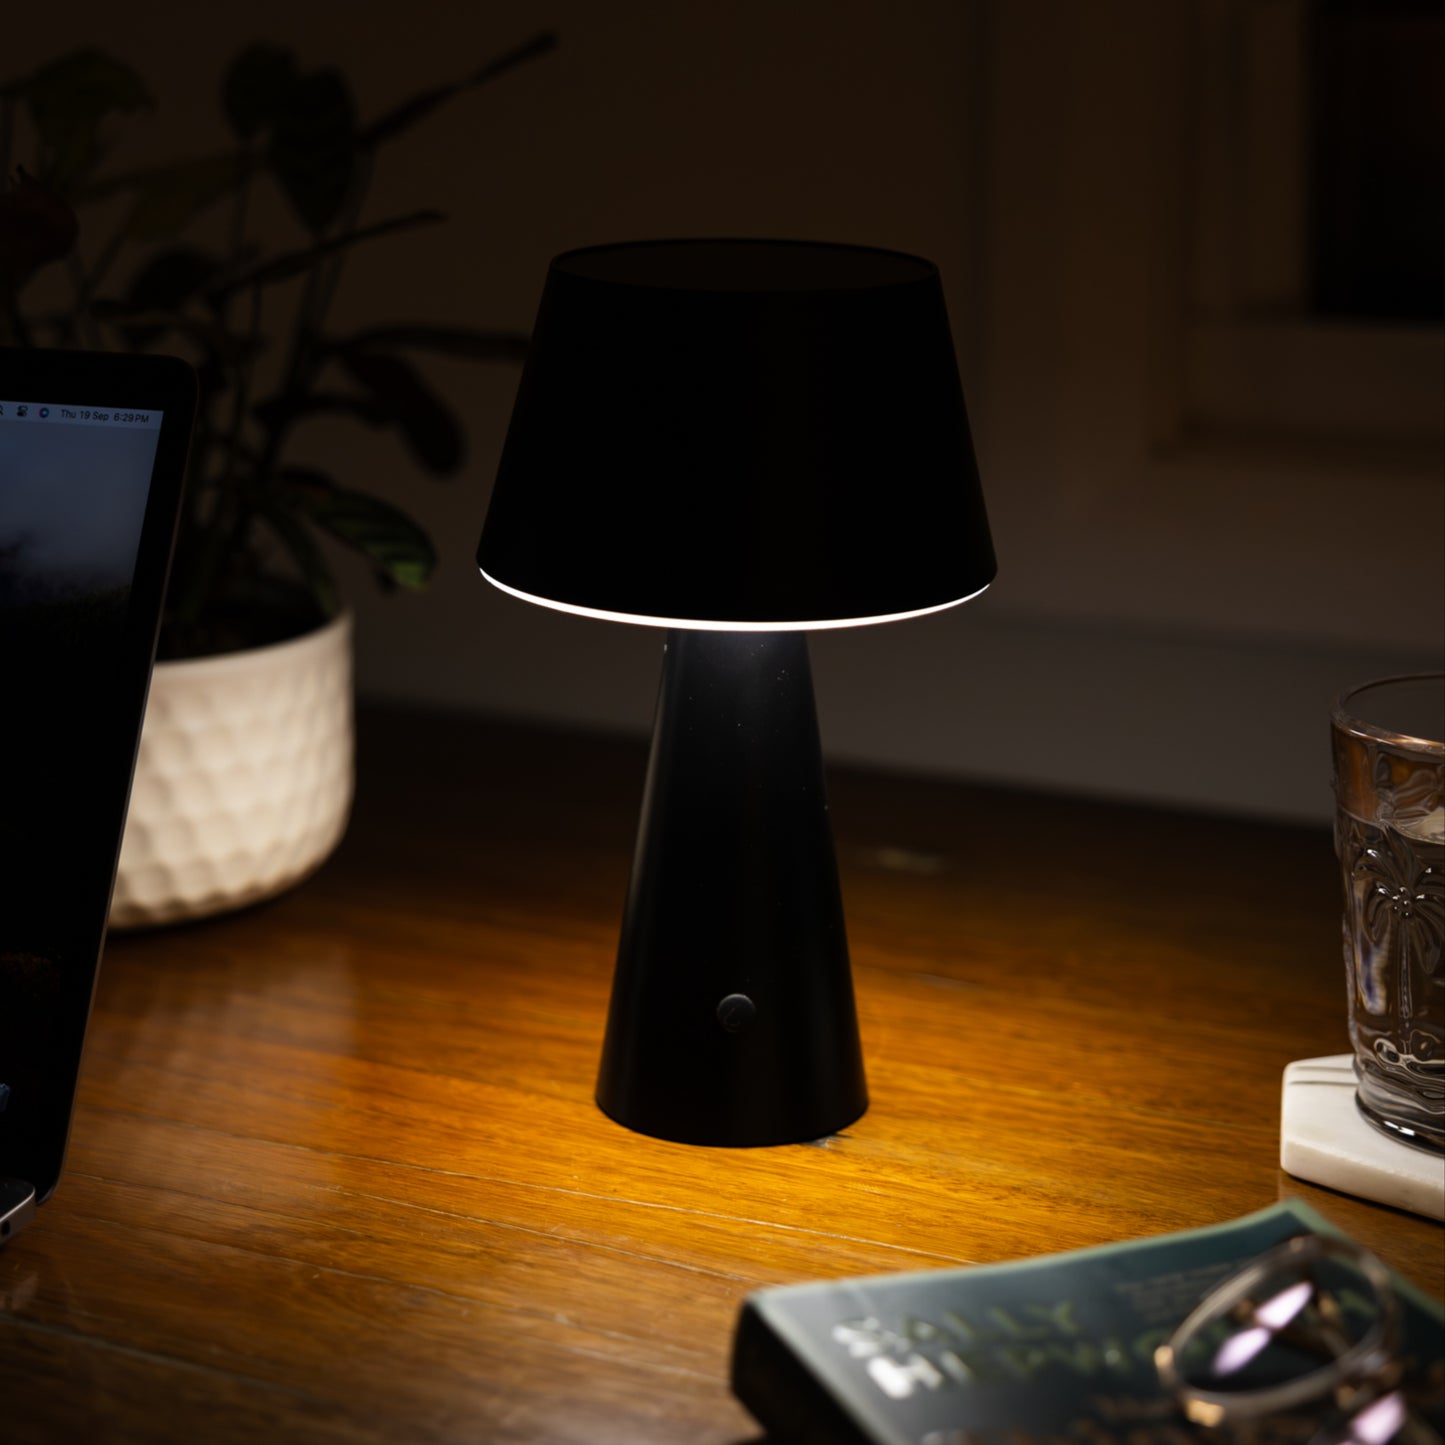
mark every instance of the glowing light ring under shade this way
{"type": "Point", "coordinates": [702, 625]}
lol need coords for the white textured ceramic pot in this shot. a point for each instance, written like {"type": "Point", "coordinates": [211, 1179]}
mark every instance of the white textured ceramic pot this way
{"type": "Point", "coordinates": [244, 780]}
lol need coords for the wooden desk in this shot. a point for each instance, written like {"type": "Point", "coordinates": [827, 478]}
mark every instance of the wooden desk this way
{"type": "Point", "coordinates": [336, 1173]}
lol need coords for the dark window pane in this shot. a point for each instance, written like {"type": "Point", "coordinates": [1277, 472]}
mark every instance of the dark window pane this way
{"type": "Point", "coordinates": [1378, 181]}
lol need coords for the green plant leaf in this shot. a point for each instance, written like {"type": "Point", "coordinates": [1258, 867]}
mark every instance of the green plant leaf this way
{"type": "Point", "coordinates": [297, 263]}
{"type": "Point", "coordinates": [310, 561]}
{"type": "Point", "coordinates": [276, 411]}
{"type": "Point", "coordinates": [399, 549]}
{"type": "Point", "coordinates": [313, 147]}
{"type": "Point", "coordinates": [429, 426]}
{"type": "Point", "coordinates": [255, 87]}
{"type": "Point", "coordinates": [458, 341]}
{"type": "Point", "coordinates": [169, 197]}
{"type": "Point", "coordinates": [155, 300]}
{"type": "Point", "coordinates": [120, 183]}
{"type": "Point", "coordinates": [144, 328]}
{"type": "Point", "coordinates": [171, 277]}
{"type": "Point", "coordinates": [68, 100]}
{"type": "Point", "coordinates": [409, 112]}
{"type": "Point", "coordinates": [36, 227]}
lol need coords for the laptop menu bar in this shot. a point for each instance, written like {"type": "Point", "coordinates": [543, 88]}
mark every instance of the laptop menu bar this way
{"type": "Point", "coordinates": [53, 413]}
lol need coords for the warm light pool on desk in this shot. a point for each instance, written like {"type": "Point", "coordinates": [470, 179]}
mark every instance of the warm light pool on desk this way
{"type": "Point", "coordinates": [739, 441]}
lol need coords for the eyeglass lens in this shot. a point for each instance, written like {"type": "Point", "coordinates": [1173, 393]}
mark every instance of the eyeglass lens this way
{"type": "Point", "coordinates": [1298, 1321]}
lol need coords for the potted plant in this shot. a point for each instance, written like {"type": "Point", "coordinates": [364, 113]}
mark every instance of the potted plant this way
{"type": "Point", "coordinates": [243, 783]}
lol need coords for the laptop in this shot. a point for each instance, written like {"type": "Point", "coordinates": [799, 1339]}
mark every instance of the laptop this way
{"type": "Point", "coordinates": [92, 456]}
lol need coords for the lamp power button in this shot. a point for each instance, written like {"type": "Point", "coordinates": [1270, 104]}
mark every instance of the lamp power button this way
{"type": "Point", "coordinates": [736, 1012]}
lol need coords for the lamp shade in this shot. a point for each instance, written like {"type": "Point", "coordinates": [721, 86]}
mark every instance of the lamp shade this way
{"type": "Point", "coordinates": [739, 434]}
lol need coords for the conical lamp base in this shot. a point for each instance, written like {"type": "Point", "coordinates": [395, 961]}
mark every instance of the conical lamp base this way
{"type": "Point", "coordinates": [732, 1019]}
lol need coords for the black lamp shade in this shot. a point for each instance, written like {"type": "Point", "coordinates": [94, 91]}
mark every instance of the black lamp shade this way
{"type": "Point", "coordinates": [736, 433]}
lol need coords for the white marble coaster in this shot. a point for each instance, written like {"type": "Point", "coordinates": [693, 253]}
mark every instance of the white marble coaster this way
{"type": "Point", "coordinates": [1323, 1139]}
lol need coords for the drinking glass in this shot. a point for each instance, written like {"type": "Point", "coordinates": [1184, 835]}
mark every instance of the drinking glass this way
{"type": "Point", "coordinates": [1389, 771]}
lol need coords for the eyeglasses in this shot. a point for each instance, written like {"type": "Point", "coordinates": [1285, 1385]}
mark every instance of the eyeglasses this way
{"type": "Point", "coordinates": [1303, 1344]}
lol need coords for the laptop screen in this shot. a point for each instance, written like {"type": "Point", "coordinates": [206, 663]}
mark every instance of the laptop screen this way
{"type": "Point", "coordinates": [92, 450]}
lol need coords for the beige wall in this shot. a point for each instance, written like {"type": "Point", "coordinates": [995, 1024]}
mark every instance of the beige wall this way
{"type": "Point", "coordinates": [1173, 611]}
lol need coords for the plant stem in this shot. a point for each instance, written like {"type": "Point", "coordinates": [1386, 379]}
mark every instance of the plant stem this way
{"type": "Point", "coordinates": [74, 324]}
{"type": "Point", "coordinates": [305, 356]}
{"type": "Point", "coordinates": [90, 282]}
{"type": "Point", "coordinates": [360, 185]}
{"type": "Point", "coordinates": [19, 331]}
{"type": "Point", "coordinates": [238, 211]}
{"type": "Point", "coordinates": [7, 138]}
{"type": "Point", "coordinates": [219, 543]}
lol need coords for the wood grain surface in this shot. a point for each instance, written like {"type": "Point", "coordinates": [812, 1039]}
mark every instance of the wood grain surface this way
{"type": "Point", "coordinates": [336, 1173]}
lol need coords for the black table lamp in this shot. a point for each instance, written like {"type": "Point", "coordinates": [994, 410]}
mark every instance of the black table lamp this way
{"type": "Point", "coordinates": [738, 441]}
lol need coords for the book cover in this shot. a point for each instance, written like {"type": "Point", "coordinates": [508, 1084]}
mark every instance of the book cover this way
{"type": "Point", "coordinates": [1057, 1350]}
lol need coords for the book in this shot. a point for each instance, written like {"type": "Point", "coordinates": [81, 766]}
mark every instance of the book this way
{"type": "Point", "coordinates": [1057, 1350]}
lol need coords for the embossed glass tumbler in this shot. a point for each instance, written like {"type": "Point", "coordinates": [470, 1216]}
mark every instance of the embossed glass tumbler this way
{"type": "Point", "coordinates": [1389, 766]}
